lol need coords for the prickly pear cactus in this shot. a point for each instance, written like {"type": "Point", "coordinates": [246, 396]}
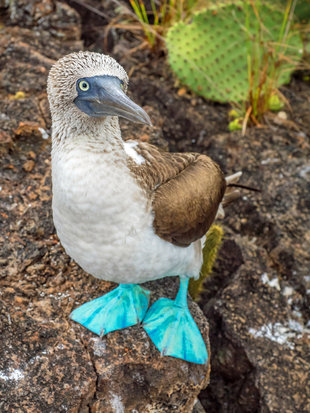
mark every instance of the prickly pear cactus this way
{"type": "Point", "coordinates": [210, 54]}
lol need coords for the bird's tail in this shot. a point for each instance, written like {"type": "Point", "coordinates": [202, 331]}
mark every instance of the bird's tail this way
{"type": "Point", "coordinates": [231, 193]}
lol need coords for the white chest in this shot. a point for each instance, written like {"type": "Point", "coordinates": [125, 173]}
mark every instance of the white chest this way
{"type": "Point", "coordinates": [105, 222]}
{"type": "Point", "coordinates": [89, 185]}
{"type": "Point", "coordinates": [95, 201]}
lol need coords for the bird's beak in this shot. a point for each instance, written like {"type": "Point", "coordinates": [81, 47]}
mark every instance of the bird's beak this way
{"type": "Point", "coordinates": [105, 97]}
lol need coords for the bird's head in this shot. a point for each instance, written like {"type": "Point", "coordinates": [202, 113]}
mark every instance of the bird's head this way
{"type": "Point", "coordinates": [91, 85]}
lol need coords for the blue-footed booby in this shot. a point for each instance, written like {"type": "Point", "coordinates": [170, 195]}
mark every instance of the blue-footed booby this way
{"type": "Point", "coordinates": [126, 211]}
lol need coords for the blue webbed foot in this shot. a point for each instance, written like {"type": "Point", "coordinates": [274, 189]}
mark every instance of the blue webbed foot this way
{"type": "Point", "coordinates": [122, 307]}
{"type": "Point", "coordinates": [173, 330]}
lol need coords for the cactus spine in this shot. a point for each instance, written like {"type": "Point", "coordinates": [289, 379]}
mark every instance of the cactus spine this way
{"type": "Point", "coordinates": [210, 54]}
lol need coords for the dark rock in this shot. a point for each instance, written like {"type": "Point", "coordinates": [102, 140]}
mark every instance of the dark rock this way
{"type": "Point", "coordinates": [26, 56]}
{"type": "Point", "coordinates": [131, 373]}
{"type": "Point", "coordinates": [43, 366]}
{"type": "Point", "coordinates": [260, 360]}
{"type": "Point", "coordinates": [259, 318]}
{"type": "Point", "coordinates": [198, 407]}
{"type": "Point", "coordinates": [48, 363]}
{"type": "Point", "coordinates": [53, 16]}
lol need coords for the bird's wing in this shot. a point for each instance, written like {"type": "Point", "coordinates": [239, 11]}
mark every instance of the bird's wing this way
{"type": "Point", "coordinates": [185, 188]}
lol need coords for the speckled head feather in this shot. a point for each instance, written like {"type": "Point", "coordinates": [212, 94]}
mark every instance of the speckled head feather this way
{"type": "Point", "coordinates": [67, 118]}
{"type": "Point", "coordinates": [61, 83]}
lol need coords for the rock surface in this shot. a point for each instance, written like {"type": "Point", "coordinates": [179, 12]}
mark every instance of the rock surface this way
{"type": "Point", "coordinates": [47, 362]}
{"type": "Point", "coordinates": [257, 301]}
{"type": "Point", "coordinates": [50, 364]}
{"type": "Point", "coordinates": [258, 298]}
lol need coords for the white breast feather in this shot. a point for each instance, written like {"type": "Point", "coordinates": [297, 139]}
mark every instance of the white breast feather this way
{"type": "Point", "coordinates": [129, 149]}
{"type": "Point", "coordinates": [105, 223]}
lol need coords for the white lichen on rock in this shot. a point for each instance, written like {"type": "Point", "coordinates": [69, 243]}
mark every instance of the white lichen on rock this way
{"type": "Point", "coordinates": [12, 374]}
{"type": "Point", "coordinates": [283, 334]}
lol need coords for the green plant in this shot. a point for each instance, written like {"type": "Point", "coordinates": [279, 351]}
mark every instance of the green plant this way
{"type": "Point", "coordinates": [141, 13]}
{"type": "Point", "coordinates": [275, 103]}
{"type": "Point", "coordinates": [209, 253]}
{"type": "Point", "coordinates": [162, 15]}
{"type": "Point", "coordinates": [274, 50]}
{"type": "Point", "coordinates": [237, 51]}
{"type": "Point", "coordinates": [235, 124]}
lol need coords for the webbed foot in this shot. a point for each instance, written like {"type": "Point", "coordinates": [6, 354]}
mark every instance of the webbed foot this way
{"type": "Point", "coordinates": [173, 330]}
{"type": "Point", "coordinates": [122, 307]}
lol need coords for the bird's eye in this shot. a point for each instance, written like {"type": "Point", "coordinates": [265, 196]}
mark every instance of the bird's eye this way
{"type": "Point", "coordinates": [83, 85]}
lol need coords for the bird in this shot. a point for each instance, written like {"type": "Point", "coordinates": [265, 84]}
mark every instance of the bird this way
{"type": "Point", "coordinates": [127, 211]}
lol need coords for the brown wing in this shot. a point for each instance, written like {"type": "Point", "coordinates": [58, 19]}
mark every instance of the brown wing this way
{"type": "Point", "coordinates": [186, 190]}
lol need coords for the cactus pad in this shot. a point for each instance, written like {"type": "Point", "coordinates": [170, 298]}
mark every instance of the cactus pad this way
{"type": "Point", "coordinates": [210, 54]}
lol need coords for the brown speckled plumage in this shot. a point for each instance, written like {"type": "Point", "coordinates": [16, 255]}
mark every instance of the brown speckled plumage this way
{"type": "Point", "coordinates": [185, 190]}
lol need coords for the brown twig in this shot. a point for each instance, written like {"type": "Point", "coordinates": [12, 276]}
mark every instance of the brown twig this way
{"type": "Point", "coordinates": [92, 9]}
{"type": "Point", "coordinates": [245, 120]}
{"type": "Point", "coordinates": [131, 71]}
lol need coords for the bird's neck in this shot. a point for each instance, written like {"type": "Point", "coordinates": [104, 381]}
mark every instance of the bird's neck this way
{"type": "Point", "coordinates": [94, 134]}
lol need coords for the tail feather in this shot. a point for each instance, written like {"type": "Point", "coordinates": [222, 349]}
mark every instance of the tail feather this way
{"type": "Point", "coordinates": [234, 178]}
{"type": "Point", "coordinates": [231, 194]}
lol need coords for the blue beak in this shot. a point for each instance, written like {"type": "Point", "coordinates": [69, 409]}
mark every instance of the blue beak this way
{"type": "Point", "coordinates": [100, 96]}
